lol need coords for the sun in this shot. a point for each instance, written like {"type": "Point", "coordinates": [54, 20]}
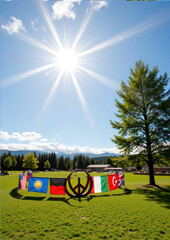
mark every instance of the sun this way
{"type": "Point", "coordinates": [67, 60]}
{"type": "Point", "coordinates": [70, 58]}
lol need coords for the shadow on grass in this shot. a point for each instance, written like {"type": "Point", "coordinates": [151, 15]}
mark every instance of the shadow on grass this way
{"type": "Point", "coordinates": [14, 193]}
{"type": "Point", "coordinates": [156, 193]}
{"type": "Point", "coordinates": [33, 198]}
{"type": "Point", "coordinates": [126, 191]}
{"type": "Point", "coordinates": [56, 199]}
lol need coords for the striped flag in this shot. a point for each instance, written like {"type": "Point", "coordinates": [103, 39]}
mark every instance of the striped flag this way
{"type": "Point", "coordinates": [22, 182]}
{"type": "Point", "coordinates": [57, 186]}
{"type": "Point", "coordinates": [99, 184]}
{"type": "Point", "coordinates": [121, 179]}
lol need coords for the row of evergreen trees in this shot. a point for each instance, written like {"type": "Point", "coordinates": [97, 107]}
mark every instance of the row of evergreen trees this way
{"type": "Point", "coordinates": [60, 163]}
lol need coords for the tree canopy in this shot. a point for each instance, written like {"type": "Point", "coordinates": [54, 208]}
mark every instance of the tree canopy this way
{"type": "Point", "coordinates": [8, 162]}
{"type": "Point", "coordinates": [14, 162]}
{"type": "Point", "coordinates": [143, 113]}
{"type": "Point", "coordinates": [47, 165]}
{"type": "Point", "coordinates": [56, 162]}
{"type": "Point", "coordinates": [30, 162]}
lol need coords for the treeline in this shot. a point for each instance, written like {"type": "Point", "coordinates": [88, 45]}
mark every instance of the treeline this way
{"type": "Point", "coordinates": [61, 163]}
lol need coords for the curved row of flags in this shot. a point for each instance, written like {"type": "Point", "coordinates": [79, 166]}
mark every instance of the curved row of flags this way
{"type": "Point", "coordinates": [111, 182]}
{"type": "Point", "coordinates": [58, 185]}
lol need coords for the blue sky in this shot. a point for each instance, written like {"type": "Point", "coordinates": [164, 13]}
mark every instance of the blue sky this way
{"type": "Point", "coordinates": [57, 99]}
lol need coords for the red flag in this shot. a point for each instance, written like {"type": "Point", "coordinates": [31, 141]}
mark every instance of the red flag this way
{"type": "Point", "coordinates": [29, 174]}
{"type": "Point", "coordinates": [57, 186]}
{"type": "Point", "coordinates": [113, 181]}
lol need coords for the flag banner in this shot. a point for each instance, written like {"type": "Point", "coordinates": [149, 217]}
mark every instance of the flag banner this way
{"type": "Point", "coordinates": [99, 184]}
{"type": "Point", "coordinates": [113, 181]}
{"type": "Point", "coordinates": [38, 184]}
{"type": "Point", "coordinates": [29, 174]}
{"type": "Point", "coordinates": [121, 179]}
{"type": "Point", "coordinates": [22, 182]}
{"type": "Point", "coordinates": [57, 186]}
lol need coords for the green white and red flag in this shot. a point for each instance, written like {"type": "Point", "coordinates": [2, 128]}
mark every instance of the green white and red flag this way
{"type": "Point", "coordinates": [99, 184]}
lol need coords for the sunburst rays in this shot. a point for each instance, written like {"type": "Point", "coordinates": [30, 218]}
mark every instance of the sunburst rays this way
{"type": "Point", "coordinates": [141, 27]}
{"type": "Point", "coordinates": [51, 25]}
{"type": "Point", "coordinates": [22, 76]}
{"type": "Point", "coordinates": [81, 97]}
{"type": "Point", "coordinates": [81, 62]}
{"type": "Point", "coordinates": [83, 26]}
{"type": "Point", "coordinates": [51, 94]}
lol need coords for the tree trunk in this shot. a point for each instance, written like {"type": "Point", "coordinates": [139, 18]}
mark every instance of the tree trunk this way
{"type": "Point", "coordinates": [151, 174]}
{"type": "Point", "coordinates": [150, 157]}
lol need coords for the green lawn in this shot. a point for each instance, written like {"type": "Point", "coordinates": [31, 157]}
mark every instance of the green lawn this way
{"type": "Point", "coordinates": [138, 212]}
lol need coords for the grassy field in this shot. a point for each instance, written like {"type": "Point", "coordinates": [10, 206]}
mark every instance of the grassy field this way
{"type": "Point", "coordinates": [137, 212]}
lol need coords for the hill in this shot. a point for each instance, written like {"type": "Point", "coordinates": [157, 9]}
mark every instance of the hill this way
{"type": "Point", "coordinates": [98, 157]}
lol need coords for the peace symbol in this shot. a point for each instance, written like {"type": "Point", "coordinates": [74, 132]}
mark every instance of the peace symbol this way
{"type": "Point", "coordinates": [79, 190]}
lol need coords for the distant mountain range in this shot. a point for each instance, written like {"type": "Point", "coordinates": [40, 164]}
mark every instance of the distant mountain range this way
{"type": "Point", "coordinates": [71, 155]}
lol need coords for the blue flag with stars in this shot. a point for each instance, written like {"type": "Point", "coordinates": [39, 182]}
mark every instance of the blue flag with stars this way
{"type": "Point", "coordinates": [38, 184]}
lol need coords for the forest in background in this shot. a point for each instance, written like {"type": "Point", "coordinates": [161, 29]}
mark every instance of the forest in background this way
{"type": "Point", "coordinates": [56, 162]}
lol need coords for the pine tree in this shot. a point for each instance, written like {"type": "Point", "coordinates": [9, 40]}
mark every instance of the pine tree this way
{"type": "Point", "coordinates": [67, 163]}
{"type": "Point", "coordinates": [61, 165]}
{"type": "Point", "coordinates": [143, 116]}
{"type": "Point", "coordinates": [80, 164]}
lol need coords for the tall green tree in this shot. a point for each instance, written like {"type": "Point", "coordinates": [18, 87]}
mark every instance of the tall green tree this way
{"type": "Point", "coordinates": [74, 162]}
{"type": "Point", "coordinates": [67, 163]}
{"type": "Point", "coordinates": [86, 161]}
{"type": "Point", "coordinates": [14, 162]}
{"type": "Point", "coordinates": [61, 165]}
{"type": "Point", "coordinates": [7, 162]}
{"type": "Point", "coordinates": [30, 162]}
{"type": "Point", "coordinates": [80, 163]}
{"type": "Point", "coordinates": [47, 165]}
{"type": "Point", "coordinates": [143, 112]}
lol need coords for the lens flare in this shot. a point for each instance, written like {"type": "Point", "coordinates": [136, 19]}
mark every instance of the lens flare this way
{"type": "Point", "coordinates": [66, 60]}
{"type": "Point", "coordinates": [63, 59]}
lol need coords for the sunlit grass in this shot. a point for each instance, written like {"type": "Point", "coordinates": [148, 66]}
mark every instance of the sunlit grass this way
{"type": "Point", "coordinates": [137, 212]}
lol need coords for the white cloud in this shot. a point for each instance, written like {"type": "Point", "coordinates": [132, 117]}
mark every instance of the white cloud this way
{"type": "Point", "coordinates": [4, 135]}
{"type": "Point", "coordinates": [33, 24]}
{"type": "Point", "coordinates": [99, 4]}
{"type": "Point", "coordinates": [56, 147]}
{"type": "Point", "coordinates": [37, 25]}
{"type": "Point", "coordinates": [58, 137]}
{"type": "Point", "coordinates": [14, 26]}
{"type": "Point", "coordinates": [37, 143]}
{"type": "Point", "coordinates": [24, 136]}
{"type": "Point", "coordinates": [64, 9]}
{"type": "Point", "coordinates": [44, 140]}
